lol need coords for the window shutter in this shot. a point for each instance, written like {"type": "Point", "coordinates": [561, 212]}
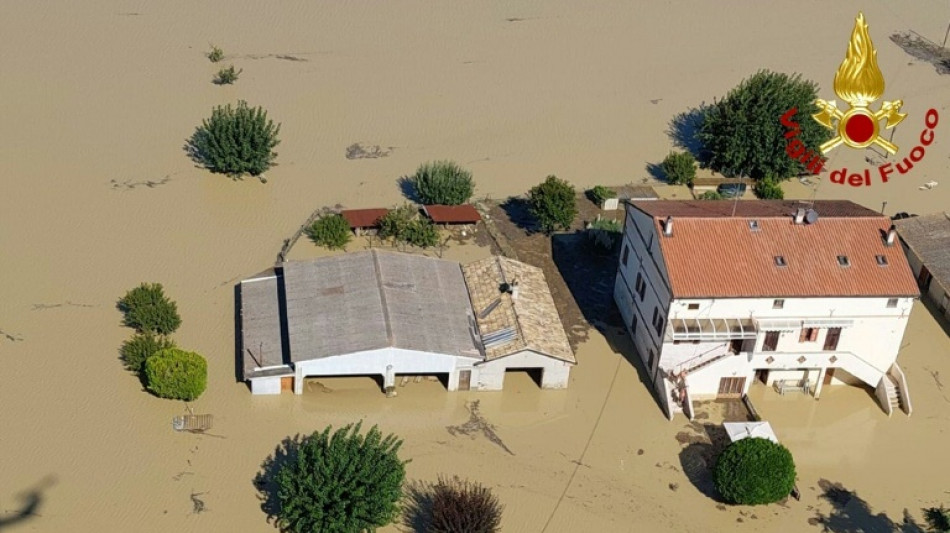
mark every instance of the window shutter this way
{"type": "Point", "coordinates": [803, 336]}
{"type": "Point", "coordinates": [814, 335]}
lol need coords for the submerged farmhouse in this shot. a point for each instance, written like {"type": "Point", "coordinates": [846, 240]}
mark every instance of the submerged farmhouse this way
{"type": "Point", "coordinates": [721, 295]}
{"type": "Point", "coordinates": [926, 239]}
{"type": "Point", "coordinates": [392, 314]}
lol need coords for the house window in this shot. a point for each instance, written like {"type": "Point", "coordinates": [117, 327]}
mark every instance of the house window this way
{"type": "Point", "coordinates": [808, 335]}
{"type": "Point", "coordinates": [652, 359]}
{"type": "Point", "coordinates": [843, 261]}
{"type": "Point", "coordinates": [656, 313]}
{"type": "Point", "coordinates": [778, 304]}
{"type": "Point", "coordinates": [780, 261]}
{"type": "Point", "coordinates": [892, 303]}
{"type": "Point", "coordinates": [641, 286]}
{"type": "Point", "coordinates": [881, 260]}
{"type": "Point", "coordinates": [831, 339]}
{"type": "Point", "coordinates": [659, 326]}
{"type": "Point", "coordinates": [626, 254]}
{"type": "Point", "coordinates": [771, 341]}
{"type": "Point", "coordinates": [633, 324]}
{"type": "Point", "coordinates": [692, 307]}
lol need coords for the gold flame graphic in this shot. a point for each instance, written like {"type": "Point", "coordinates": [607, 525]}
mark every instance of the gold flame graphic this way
{"type": "Point", "coordinates": [859, 81]}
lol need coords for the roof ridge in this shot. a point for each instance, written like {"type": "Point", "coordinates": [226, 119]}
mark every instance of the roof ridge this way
{"type": "Point", "coordinates": [382, 297]}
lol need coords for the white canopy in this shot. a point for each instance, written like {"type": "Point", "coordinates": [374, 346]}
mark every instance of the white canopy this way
{"type": "Point", "coordinates": [743, 430]}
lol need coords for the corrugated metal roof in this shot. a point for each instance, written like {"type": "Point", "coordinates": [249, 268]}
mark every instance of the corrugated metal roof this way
{"type": "Point", "coordinates": [929, 237]}
{"type": "Point", "coordinates": [452, 214]}
{"type": "Point", "coordinates": [529, 322]}
{"type": "Point", "coordinates": [363, 218]}
{"type": "Point", "coordinates": [374, 299]}
{"type": "Point", "coordinates": [723, 257]}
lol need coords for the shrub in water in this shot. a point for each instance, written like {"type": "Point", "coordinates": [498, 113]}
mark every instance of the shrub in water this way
{"type": "Point", "coordinates": [140, 347]}
{"type": "Point", "coordinates": [176, 374]}
{"type": "Point", "coordinates": [463, 506]}
{"type": "Point", "coordinates": [235, 141]}
{"type": "Point", "coordinates": [332, 231]}
{"type": "Point", "coordinates": [216, 54]}
{"type": "Point", "coordinates": [755, 471]}
{"type": "Point", "coordinates": [227, 76]}
{"type": "Point", "coordinates": [147, 309]}
{"type": "Point", "coordinates": [444, 183]}
{"type": "Point", "coordinates": [680, 168]}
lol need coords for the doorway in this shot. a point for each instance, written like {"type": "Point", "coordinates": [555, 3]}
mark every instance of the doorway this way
{"type": "Point", "coordinates": [762, 376]}
{"type": "Point", "coordinates": [465, 380]}
{"type": "Point", "coordinates": [924, 278]}
{"type": "Point", "coordinates": [829, 375]}
{"type": "Point", "coordinates": [731, 387]}
{"type": "Point", "coordinates": [831, 339]}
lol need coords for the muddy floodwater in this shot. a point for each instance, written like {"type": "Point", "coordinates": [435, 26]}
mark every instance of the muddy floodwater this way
{"type": "Point", "coordinates": [97, 196]}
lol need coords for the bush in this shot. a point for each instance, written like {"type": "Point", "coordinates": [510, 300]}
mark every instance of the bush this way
{"type": "Point", "coordinates": [344, 482]}
{"type": "Point", "coordinates": [680, 168]}
{"type": "Point", "coordinates": [216, 54]}
{"type": "Point", "coordinates": [227, 76]}
{"type": "Point", "coordinates": [553, 203]}
{"type": "Point", "coordinates": [938, 519]}
{"type": "Point", "coordinates": [742, 134]}
{"type": "Point", "coordinates": [176, 374]}
{"type": "Point", "coordinates": [404, 225]}
{"type": "Point", "coordinates": [463, 506]}
{"type": "Point", "coordinates": [755, 471]}
{"type": "Point", "coordinates": [148, 310]}
{"type": "Point", "coordinates": [600, 193]}
{"type": "Point", "coordinates": [710, 195]}
{"type": "Point", "coordinates": [768, 188]}
{"type": "Point", "coordinates": [140, 347]}
{"type": "Point", "coordinates": [332, 231]}
{"type": "Point", "coordinates": [607, 224]}
{"type": "Point", "coordinates": [235, 141]}
{"type": "Point", "coordinates": [444, 183]}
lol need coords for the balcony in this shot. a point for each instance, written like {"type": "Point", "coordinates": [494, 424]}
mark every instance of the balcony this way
{"type": "Point", "coordinates": [711, 329]}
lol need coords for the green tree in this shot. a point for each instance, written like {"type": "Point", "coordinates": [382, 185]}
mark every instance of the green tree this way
{"type": "Point", "coordinates": [553, 203]}
{"type": "Point", "coordinates": [755, 471]}
{"type": "Point", "coordinates": [148, 310]}
{"type": "Point", "coordinates": [235, 141]}
{"type": "Point", "coordinates": [140, 347]}
{"type": "Point", "coordinates": [938, 519]}
{"type": "Point", "coordinates": [342, 482]}
{"type": "Point", "coordinates": [332, 231]}
{"type": "Point", "coordinates": [710, 195]}
{"type": "Point", "coordinates": [768, 188]}
{"type": "Point", "coordinates": [680, 168]}
{"type": "Point", "coordinates": [742, 134]}
{"type": "Point", "coordinates": [443, 183]}
{"type": "Point", "coordinates": [176, 374]}
{"type": "Point", "coordinates": [404, 225]}
{"type": "Point", "coordinates": [421, 233]}
{"type": "Point", "coordinates": [600, 193]}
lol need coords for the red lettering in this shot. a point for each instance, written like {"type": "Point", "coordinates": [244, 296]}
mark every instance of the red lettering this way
{"type": "Point", "coordinates": [926, 140]}
{"type": "Point", "coordinates": [795, 148]}
{"type": "Point", "coordinates": [817, 165]}
{"type": "Point", "coordinates": [789, 123]}
{"type": "Point", "coordinates": [840, 176]}
{"type": "Point", "coordinates": [927, 118]}
{"type": "Point", "coordinates": [902, 170]}
{"type": "Point", "coordinates": [855, 180]}
{"type": "Point", "coordinates": [884, 170]}
{"type": "Point", "coordinates": [914, 151]}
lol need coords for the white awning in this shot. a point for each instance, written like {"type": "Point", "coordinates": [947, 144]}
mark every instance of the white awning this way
{"type": "Point", "coordinates": [826, 323]}
{"type": "Point", "coordinates": [779, 324]}
{"type": "Point", "coordinates": [745, 430]}
{"type": "Point", "coordinates": [711, 329]}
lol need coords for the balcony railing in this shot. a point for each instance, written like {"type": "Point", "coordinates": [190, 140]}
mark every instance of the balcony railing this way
{"type": "Point", "coordinates": [711, 329]}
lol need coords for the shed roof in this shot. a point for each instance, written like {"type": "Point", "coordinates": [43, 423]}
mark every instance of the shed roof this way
{"type": "Point", "coordinates": [260, 324]}
{"type": "Point", "coordinates": [452, 214]}
{"type": "Point", "coordinates": [532, 319]}
{"type": "Point", "coordinates": [374, 299]}
{"type": "Point", "coordinates": [713, 254]}
{"type": "Point", "coordinates": [928, 236]}
{"type": "Point", "coordinates": [363, 218]}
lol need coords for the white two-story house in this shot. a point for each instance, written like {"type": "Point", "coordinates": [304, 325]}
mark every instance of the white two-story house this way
{"type": "Point", "coordinates": [719, 294]}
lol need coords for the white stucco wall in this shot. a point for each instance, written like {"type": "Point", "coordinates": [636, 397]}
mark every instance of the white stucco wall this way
{"type": "Point", "coordinates": [269, 385]}
{"type": "Point", "coordinates": [491, 374]}
{"type": "Point", "coordinates": [375, 362]}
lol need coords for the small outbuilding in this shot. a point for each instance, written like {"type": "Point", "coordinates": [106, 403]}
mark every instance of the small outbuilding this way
{"type": "Point", "coordinates": [744, 430]}
{"type": "Point", "coordinates": [519, 324]}
{"type": "Point", "coordinates": [926, 241]}
{"type": "Point", "coordinates": [363, 219]}
{"type": "Point", "coordinates": [451, 214]}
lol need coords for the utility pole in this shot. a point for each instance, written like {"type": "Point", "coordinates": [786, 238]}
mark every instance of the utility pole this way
{"type": "Point", "coordinates": [883, 206]}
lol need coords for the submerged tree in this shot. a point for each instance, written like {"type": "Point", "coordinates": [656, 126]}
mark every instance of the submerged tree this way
{"type": "Point", "coordinates": [148, 310]}
{"type": "Point", "coordinates": [742, 134]}
{"type": "Point", "coordinates": [443, 182]}
{"type": "Point", "coordinates": [553, 203]}
{"type": "Point", "coordinates": [176, 374]}
{"type": "Point", "coordinates": [235, 141]}
{"type": "Point", "coordinates": [339, 482]}
{"type": "Point", "coordinates": [754, 471]}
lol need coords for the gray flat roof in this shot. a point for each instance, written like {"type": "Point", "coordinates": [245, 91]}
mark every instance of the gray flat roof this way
{"type": "Point", "coordinates": [374, 299]}
{"type": "Point", "coordinates": [260, 323]}
{"type": "Point", "coordinates": [929, 237]}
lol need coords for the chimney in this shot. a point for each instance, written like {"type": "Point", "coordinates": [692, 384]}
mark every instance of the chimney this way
{"type": "Point", "coordinates": [668, 226]}
{"type": "Point", "coordinates": [800, 216]}
{"type": "Point", "coordinates": [514, 290]}
{"type": "Point", "coordinates": [891, 235]}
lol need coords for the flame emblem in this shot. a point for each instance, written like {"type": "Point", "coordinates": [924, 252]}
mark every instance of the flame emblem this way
{"type": "Point", "coordinates": [859, 82]}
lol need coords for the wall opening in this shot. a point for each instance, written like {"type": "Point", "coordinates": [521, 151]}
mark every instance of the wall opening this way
{"type": "Point", "coordinates": [523, 375]}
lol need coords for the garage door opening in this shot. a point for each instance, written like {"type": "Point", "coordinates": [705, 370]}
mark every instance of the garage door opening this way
{"type": "Point", "coordinates": [371, 383]}
{"type": "Point", "coordinates": [524, 376]}
{"type": "Point", "coordinates": [408, 380]}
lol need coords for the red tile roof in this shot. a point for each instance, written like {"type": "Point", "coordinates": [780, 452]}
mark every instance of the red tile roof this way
{"type": "Point", "coordinates": [715, 255]}
{"type": "Point", "coordinates": [452, 214]}
{"type": "Point", "coordinates": [363, 218]}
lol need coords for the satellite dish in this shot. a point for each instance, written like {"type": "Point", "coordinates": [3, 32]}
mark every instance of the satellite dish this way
{"type": "Point", "coordinates": [811, 216]}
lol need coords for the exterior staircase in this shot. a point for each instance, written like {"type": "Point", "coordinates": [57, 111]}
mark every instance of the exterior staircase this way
{"type": "Point", "coordinates": [893, 393]}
